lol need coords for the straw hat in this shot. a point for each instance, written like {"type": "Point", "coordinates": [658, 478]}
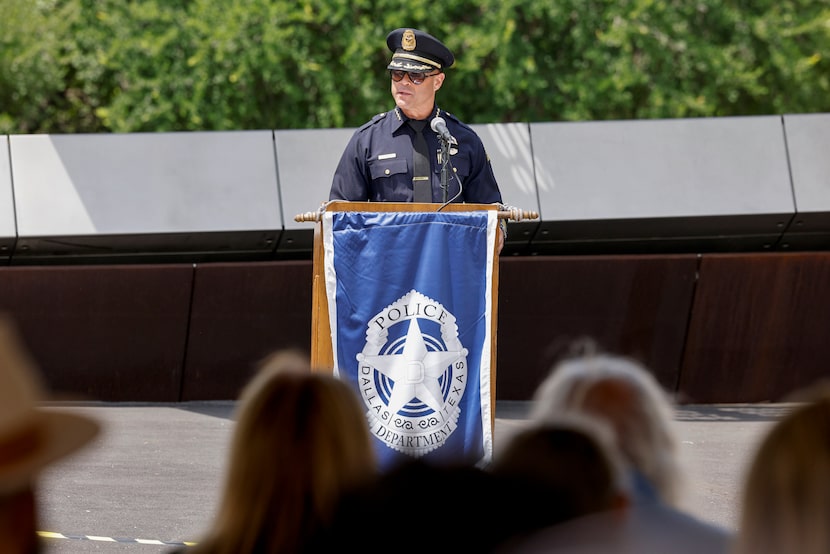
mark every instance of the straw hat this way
{"type": "Point", "coordinates": [30, 437]}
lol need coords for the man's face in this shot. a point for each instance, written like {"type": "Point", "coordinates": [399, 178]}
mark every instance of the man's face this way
{"type": "Point", "coordinates": [416, 101]}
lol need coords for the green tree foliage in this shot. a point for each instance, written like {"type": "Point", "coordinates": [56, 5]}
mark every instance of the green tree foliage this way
{"type": "Point", "coordinates": [178, 65]}
{"type": "Point", "coordinates": [34, 95]}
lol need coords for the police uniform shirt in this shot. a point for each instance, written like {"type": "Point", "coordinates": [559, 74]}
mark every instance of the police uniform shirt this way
{"type": "Point", "coordinates": [378, 160]}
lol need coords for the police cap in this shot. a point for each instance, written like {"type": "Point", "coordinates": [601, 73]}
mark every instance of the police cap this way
{"type": "Point", "coordinates": [416, 50]}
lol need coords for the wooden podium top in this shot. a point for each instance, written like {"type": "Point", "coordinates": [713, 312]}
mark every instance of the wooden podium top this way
{"type": "Point", "coordinates": [515, 214]}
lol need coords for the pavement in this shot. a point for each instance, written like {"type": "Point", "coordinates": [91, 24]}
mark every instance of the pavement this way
{"type": "Point", "coordinates": [152, 479]}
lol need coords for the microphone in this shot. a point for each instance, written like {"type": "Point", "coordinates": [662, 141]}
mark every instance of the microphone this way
{"type": "Point", "coordinates": [440, 126]}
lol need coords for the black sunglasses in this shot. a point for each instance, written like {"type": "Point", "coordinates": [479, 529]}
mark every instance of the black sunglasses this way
{"type": "Point", "coordinates": [417, 77]}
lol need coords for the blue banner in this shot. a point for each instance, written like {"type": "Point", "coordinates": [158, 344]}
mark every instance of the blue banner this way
{"type": "Point", "coordinates": [410, 305]}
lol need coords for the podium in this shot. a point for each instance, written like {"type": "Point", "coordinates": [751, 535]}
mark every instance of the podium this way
{"type": "Point", "coordinates": [404, 306]}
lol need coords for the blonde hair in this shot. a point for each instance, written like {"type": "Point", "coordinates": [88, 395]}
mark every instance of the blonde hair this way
{"type": "Point", "coordinates": [786, 501]}
{"type": "Point", "coordinates": [627, 397]}
{"type": "Point", "coordinates": [301, 441]}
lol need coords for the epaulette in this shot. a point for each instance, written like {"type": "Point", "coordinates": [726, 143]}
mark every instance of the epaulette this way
{"type": "Point", "coordinates": [374, 120]}
{"type": "Point", "coordinates": [453, 117]}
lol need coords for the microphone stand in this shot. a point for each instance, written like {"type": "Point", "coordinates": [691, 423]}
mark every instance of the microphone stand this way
{"type": "Point", "coordinates": [445, 168]}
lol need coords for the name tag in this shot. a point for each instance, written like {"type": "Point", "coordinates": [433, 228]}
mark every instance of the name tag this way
{"type": "Point", "coordinates": [387, 156]}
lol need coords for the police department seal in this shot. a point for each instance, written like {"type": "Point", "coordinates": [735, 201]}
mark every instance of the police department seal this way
{"type": "Point", "coordinates": [412, 374]}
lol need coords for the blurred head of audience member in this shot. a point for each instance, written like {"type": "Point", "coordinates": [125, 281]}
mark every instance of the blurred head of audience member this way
{"type": "Point", "coordinates": [555, 472]}
{"type": "Point", "coordinates": [625, 395]}
{"type": "Point", "coordinates": [31, 439]}
{"type": "Point", "coordinates": [281, 361]}
{"type": "Point", "coordinates": [301, 440]}
{"type": "Point", "coordinates": [786, 501]}
{"type": "Point", "coordinates": [418, 507]}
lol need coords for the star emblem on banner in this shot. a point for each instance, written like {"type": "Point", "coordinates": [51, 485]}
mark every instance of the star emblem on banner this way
{"type": "Point", "coordinates": [415, 371]}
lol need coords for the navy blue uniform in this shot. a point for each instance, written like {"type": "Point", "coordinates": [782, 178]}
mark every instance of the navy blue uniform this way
{"type": "Point", "coordinates": [377, 163]}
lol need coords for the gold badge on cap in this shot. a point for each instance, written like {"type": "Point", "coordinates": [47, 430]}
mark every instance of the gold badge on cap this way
{"type": "Point", "coordinates": [408, 40]}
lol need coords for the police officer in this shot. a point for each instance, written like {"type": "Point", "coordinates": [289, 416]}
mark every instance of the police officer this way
{"type": "Point", "coordinates": [386, 159]}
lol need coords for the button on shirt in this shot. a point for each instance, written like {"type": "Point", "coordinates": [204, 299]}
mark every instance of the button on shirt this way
{"type": "Point", "coordinates": [378, 160]}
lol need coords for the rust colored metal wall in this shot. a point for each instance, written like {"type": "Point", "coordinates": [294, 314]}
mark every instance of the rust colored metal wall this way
{"type": "Point", "coordinates": [713, 328]}
{"type": "Point", "coordinates": [240, 314]}
{"type": "Point", "coordinates": [103, 332]}
{"type": "Point", "coordinates": [637, 306]}
{"type": "Point", "coordinates": [759, 327]}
